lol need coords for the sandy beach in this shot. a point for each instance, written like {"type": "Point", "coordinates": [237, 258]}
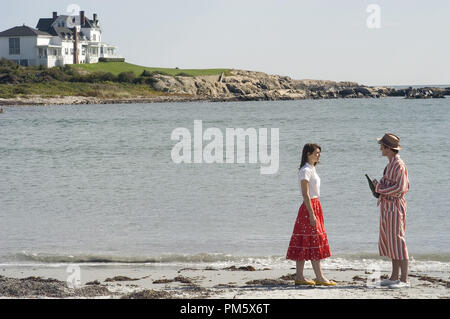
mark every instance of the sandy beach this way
{"type": "Point", "coordinates": [235, 282]}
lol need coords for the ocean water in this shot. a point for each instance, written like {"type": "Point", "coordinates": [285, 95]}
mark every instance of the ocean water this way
{"type": "Point", "coordinates": [97, 184]}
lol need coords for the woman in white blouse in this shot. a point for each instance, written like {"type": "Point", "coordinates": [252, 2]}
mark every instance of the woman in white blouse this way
{"type": "Point", "coordinates": [309, 239]}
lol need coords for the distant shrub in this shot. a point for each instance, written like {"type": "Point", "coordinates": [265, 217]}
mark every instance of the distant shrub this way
{"type": "Point", "coordinates": [67, 69]}
{"type": "Point", "coordinates": [8, 63]}
{"type": "Point", "coordinates": [20, 90]}
{"type": "Point", "coordinates": [111, 60]}
{"type": "Point", "coordinates": [160, 72]}
{"type": "Point", "coordinates": [99, 77]}
{"type": "Point", "coordinates": [56, 73]}
{"type": "Point", "coordinates": [146, 73]}
{"type": "Point", "coordinates": [9, 78]}
{"type": "Point", "coordinates": [184, 74]}
{"type": "Point", "coordinates": [145, 80]}
{"type": "Point", "coordinates": [91, 78]}
{"type": "Point", "coordinates": [30, 77]}
{"type": "Point", "coordinates": [127, 77]}
{"type": "Point", "coordinates": [108, 76]}
{"type": "Point", "coordinates": [150, 81]}
{"type": "Point", "coordinates": [139, 80]}
{"type": "Point", "coordinates": [6, 92]}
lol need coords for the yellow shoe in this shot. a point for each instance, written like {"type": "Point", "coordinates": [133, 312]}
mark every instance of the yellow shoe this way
{"type": "Point", "coordinates": [304, 282]}
{"type": "Point", "coordinates": [324, 283]}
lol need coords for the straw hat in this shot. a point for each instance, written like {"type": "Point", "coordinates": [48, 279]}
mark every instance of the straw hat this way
{"type": "Point", "coordinates": [390, 140]}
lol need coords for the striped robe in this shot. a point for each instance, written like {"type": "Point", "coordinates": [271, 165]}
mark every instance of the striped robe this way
{"type": "Point", "coordinates": [392, 187]}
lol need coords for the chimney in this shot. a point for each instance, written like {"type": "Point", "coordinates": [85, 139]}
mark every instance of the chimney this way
{"type": "Point", "coordinates": [82, 19]}
{"type": "Point", "coordinates": [55, 16]}
{"type": "Point", "coordinates": [75, 46]}
{"type": "Point", "coordinates": [95, 17]}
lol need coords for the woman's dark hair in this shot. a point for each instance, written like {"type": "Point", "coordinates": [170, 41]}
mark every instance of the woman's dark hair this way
{"type": "Point", "coordinates": [307, 150]}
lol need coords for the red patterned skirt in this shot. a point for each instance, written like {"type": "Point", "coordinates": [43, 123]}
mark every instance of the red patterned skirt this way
{"type": "Point", "coordinates": [309, 242]}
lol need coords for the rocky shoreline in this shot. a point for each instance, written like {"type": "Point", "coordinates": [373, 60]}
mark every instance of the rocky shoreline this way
{"type": "Point", "coordinates": [243, 85]}
{"type": "Point", "coordinates": [240, 85]}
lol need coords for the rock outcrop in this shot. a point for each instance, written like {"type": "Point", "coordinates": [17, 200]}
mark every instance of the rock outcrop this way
{"type": "Point", "coordinates": [425, 93]}
{"type": "Point", "coordinates": [243, 85]}
{"type": "Point", "coordinates": [248, 85]}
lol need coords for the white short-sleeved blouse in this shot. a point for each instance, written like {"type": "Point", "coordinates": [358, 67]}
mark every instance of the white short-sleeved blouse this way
{"type": "Point", "coordinates": [308, 172]}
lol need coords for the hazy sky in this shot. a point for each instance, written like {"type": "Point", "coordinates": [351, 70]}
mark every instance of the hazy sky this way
{"type": "Point", "coordinates": [311, 39]}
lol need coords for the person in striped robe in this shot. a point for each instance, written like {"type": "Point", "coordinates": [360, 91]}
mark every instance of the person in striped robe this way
{"type": "Point", "coordinates": [392, 189]}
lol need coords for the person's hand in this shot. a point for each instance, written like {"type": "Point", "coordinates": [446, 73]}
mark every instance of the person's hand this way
{"type": "Point", "coordinates": [312, 220]}
{"type": "Point", "coordinates": [375, 182]}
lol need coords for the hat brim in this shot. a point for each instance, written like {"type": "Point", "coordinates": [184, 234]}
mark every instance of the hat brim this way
{"type": "Point", "coordinates": [398, 148]}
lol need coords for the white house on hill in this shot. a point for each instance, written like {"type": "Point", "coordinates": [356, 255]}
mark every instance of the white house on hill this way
{"type": "Point", "coordinates": [56, 41]}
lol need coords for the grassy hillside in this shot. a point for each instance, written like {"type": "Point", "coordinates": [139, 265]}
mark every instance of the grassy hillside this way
{"type": "Point", "coordinates": [105, 79]}
{"type": "Point", "coordinates": [59, 89]}
{"type": "Point", "coordinates": [119, 67]}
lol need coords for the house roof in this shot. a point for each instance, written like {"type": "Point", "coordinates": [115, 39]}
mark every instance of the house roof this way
{"type": "Point", "coordinates": [61, 32]}
{"type": "Point", "coordinates": [22, 31]}
{"type": "Point", "coordinates": [90, 24]}
{"type": "Point", "coordinates": [44, 24]}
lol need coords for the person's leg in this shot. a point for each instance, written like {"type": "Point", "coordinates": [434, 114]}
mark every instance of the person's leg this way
{"type": "Point", "coordinates": [404, 268]}
{"type": "Point", "coordinates": [318, 270]}
{"type": "Point", "coordinates": [395, 270]}
{"type": "Point", "coordinates": [300, 265]}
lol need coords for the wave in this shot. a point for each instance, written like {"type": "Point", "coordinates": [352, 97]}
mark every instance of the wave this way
{"type": "Point", "coordinates": [423, 262]}
{"type": "Point", "coordinates": [106, 259]}
{"type": "Point", "coordinates": [441, 257]}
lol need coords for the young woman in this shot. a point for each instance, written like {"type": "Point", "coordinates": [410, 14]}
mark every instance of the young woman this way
{"type": "Point", "coordinates": [309, 240]}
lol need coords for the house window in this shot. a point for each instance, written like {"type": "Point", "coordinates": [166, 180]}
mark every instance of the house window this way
{"type": "Point", "coordinates": [42, 52]}
{"type": "Point", "coordinates": [14, 46]}
{"type": "Point", "coordinates": [55, 52]}
{"type": "Point", "coordinates": [95, 37]}
{"type": "Point", "coordinates": [67, 51]}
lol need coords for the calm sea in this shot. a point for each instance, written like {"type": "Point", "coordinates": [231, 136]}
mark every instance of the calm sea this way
{"type": "Point", "coordinates": [97, 183]}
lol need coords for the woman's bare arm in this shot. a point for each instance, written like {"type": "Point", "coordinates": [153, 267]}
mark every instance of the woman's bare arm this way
{"type": "Point", "coordinates": [307, 201]}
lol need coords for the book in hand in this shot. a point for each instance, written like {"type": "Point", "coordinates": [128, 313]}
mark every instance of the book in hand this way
{"type": "Point", "coordinates": [372, 187]}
